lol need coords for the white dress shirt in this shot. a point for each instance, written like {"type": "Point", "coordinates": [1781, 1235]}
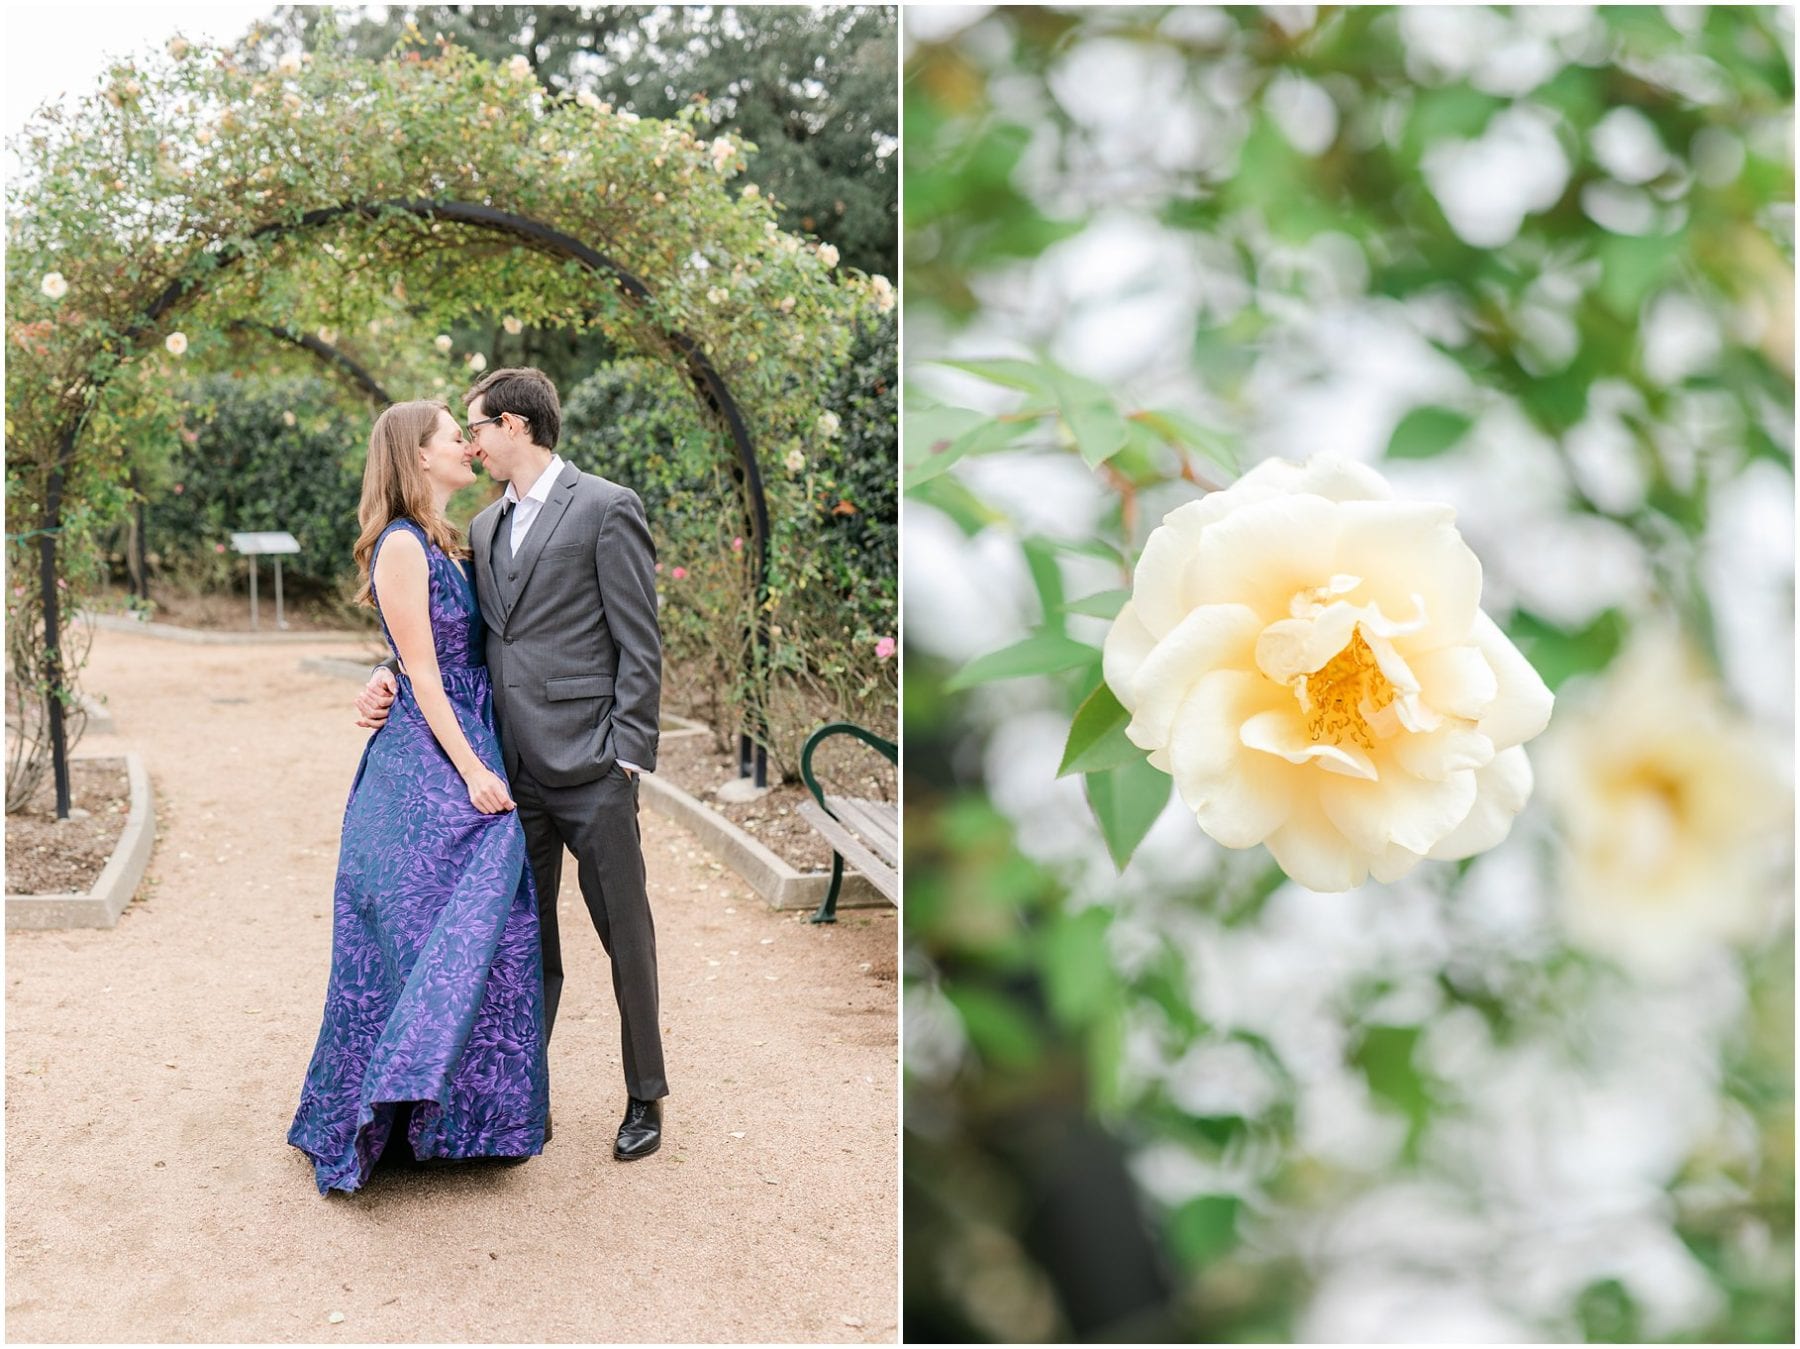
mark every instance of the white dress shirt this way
{"type": "Point", "coordinates": [525, 511]}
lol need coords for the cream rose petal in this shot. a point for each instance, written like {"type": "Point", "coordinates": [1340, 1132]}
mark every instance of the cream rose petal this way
{"type": "Point", "coordinates": [1265, 553]}
{"type": "Point", "coordinates": [1456, 680]}
{"type": "Point", "coordinates": [1410, 553]}
{"type": "Point", "coordinates": [1454, 747]}
{"type": "Point", "coordinates": [1281, 734]}
{"type": "Point", "coordinates": [1501, 790]}
{"type": "Point", "coordinates": [1128, 642]}
{"type": "Point", "coordinates": [1312, 851]}
{"type": "Point", "coordinates": [1237, 800]}
{"type": "Point", "coordinates": [1522, 702]}
{"type": "Point", "coordinates": [1398, 808]}
{"type": "Point", "coordinates": [1212, 636]}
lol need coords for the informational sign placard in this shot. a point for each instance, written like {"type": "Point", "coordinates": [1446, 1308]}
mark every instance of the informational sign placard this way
{"type": "Point", "coordinates": [273, 542]}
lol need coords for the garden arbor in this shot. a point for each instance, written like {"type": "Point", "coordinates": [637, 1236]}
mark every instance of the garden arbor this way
{"type": "Point", "coordinates": [209, 189]}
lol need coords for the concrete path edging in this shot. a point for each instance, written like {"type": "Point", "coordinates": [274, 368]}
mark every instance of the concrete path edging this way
{"type": "Point", "coordinates": [777, 882]}
{"type": "Point", "coordinates": [206, 637]}
{"type": "Point", "coordinates": [117, 883]}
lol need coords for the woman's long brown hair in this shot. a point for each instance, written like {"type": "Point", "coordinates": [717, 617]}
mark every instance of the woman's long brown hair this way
{"type": "Point", "coordinates": [395, 486]}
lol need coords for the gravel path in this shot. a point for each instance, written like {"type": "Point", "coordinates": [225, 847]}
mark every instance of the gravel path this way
{"type": "Point", "coordinates": [152, 1072]}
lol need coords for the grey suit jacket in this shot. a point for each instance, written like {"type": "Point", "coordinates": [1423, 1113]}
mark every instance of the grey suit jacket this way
{"type": "Point", "coordinates": [573, 645]}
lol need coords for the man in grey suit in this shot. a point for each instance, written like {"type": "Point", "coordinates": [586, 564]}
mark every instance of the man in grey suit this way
{"type": "Point", "coordinates": [565, 572]}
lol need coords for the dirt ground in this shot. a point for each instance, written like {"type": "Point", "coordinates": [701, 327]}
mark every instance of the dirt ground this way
{"type": "Point", "coordinates": [152, 1071]}
{"type": "Point", "coordinates": [47, 856]}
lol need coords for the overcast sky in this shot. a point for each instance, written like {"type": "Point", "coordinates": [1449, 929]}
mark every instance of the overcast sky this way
{"type": "Point", "coordinates": [52, 50]}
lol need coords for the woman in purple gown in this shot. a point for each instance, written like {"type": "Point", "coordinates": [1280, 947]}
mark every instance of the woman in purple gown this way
{"type": "Point", "coordinates": [434, 1013]}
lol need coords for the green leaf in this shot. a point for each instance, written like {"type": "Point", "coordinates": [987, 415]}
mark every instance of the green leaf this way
{"type": "Point", "coordinates": [1078, 976]}
{"type": "Point", "coordinates": [1427, 431]}
{"type": "Point", "coordinates": [1097, 736]}
{"type": "Point", "coordinates": [1099, 431]}
{"type": "Point", "coordinates": [1178, 428]}
{"type": "Point", "coordinates": [1046, 577]}
{"type": "Point", "coordinates": [1126, 801]}
{"type": "Point", "coordinates": [1009, 373]}
{"type": "Point", "coordinates": [1385, 1056]}
{"type": "Point", "coordinates": [999, 1029]}
{"type": "Point", "coordinates": [1205, 1228]}
{"type": "Point", "coordinates": [1104, 604]}
{"type": "Point", "coordinates": [937, 437]}
{"type": "Point", "coordinates": [1044, 653]}
{"type": "Point", "coordinates": [1557, 653]}
{"type": "Point", "coordinates": [1632, 267]}
{"type": "Point", "coordinates": [953, 497]}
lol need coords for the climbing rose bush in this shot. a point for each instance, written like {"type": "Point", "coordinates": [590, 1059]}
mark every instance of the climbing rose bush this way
{"type": "Point", "coordinates": [1308, 659]}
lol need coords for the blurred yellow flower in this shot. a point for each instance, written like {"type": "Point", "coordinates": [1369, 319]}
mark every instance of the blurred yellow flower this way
{"type": "Point", "coordinates": [176, 343]}
{"type": "Point", "coordinates": [512, 325]}
{"type": "Point", "coordinates": [1671, 811]}
{"type": "Point", "coordinates": [1309, 660]}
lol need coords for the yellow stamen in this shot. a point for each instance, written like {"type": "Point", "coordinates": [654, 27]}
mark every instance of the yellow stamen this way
{"type": "Point", "coordinates": [1340, 696]}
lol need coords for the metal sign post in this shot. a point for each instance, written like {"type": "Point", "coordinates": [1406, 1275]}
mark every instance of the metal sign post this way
{"type": "Point", "coordinates": [274, 544]}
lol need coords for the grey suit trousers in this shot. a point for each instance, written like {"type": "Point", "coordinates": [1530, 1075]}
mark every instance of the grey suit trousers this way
{"type": "Point", "coordinates": [598, 822]}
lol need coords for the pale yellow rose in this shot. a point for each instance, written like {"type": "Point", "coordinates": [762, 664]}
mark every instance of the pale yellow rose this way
{"type": "Point", "coordinates": [519, 68]}
{"type": "Point", "coordinates": [442, 342]}
{"type": "Point", "coordinates": [176, 343]}
{"type": "Point", "coordinates": [512, 325]}
{"type": "Point", "coordinates": [476, 362]}
{"type": "Point", "coordinates": [1672, 812]}
{"type": "Point", "coordinates": [828, 255]}
{"type": "Point", "coordinates": [54, 285]}
{"type": "Point", "coordinates": [884, 292]}
{"type": "Point", "coordinates": [587, 98]}
{"type": "Point", "coordinates": [289, 64]}
{"type": "Point", "coordinates": [1308, 658]}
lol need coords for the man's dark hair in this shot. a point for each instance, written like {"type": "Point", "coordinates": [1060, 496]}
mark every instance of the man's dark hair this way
{"type": "Point", "coordinates": [525, 392]}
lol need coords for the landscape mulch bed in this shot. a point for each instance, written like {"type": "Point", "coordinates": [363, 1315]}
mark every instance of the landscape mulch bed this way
{"type": "Point", "coordinates": [231, 612]}
{"type": "Point", "coordinates": [45, 857]}
{"type": "Point", "coordinates": [698, 767]}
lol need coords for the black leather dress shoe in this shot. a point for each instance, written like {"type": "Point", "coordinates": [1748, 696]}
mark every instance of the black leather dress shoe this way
{"type": "Point", "coordinates": [641, 1132]}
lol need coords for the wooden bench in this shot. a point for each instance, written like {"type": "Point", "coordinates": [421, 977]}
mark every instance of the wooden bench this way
{"type": "Point", "coordinates": [866, 834]}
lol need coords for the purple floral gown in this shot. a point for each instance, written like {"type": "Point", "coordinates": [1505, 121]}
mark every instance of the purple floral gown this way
{"type": "Point", "coordinates": [434, 1012]}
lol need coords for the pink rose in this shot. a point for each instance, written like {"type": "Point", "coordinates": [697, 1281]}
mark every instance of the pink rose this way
{"type": "Point", "coordinates": [885, 648]}
{"type": "Point", "coordinates": [179, 489]}
{"type": "Point", "coordinates": [218, 548]}
{"type": "Point", "coordinates": [737, 545]}
{"type": "Point", "coordinates": [680, 573]}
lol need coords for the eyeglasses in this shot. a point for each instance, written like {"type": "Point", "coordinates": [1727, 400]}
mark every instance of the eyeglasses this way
{"type": "Point", "coordinates": [487, 421]}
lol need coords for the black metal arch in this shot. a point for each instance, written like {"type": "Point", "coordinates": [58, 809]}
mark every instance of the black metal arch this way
{"type": "Point", "coordinates": [709, 385]}
{"type": "Point", "coordinates": [320, 348]}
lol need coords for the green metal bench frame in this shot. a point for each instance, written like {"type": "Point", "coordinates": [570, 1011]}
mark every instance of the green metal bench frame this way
{"type": "Point", "coordinates": [827, 911]}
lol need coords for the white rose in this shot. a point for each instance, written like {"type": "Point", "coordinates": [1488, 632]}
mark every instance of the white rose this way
{"type": "Point", "coordinates": [204, 135]}
{"type": "Point", "coordinates": [587, 98]}
{"type": "Point", "coordinates": [176, 343]}
{"type": "Point", "coordinates": [328, 336]}
{"type": "Point", "coordinates": [291, 102]}
{"type": "Point", "coordinates": [519, 68]}
{"type": "Point", "coordinates": [442, 342]}
{"type": "Point", "coordinates": [626, 117]}
{"type": "Point", "coordinates": [178, 47]}
{"type": "Point", "coordinates": [477, 362]}
{"type": "Point", "coordinates": [794, 460]}
{"type": "Point", "coordinates": [722, 151]}
{"type": "Point", "coordinates": [289, 64]}
{"type": "Point", "coordinates": [1671, 809]}
{"type": "Point", "coordinates": [512, 325]}
{"type": "Point", "coordinates": [884, 292]}
{"type": "Point", "coordinates": [751, 191]}
{"type": "Point", "coordinates": [289, 419]}
{"type": "Point", "coordinates": [828, 255]}
{"type": "Point", "coordinates": [787, 304]}
{"type": "Point", "coordinates": [718, 295]}
{"type": "Point", "coordinates": [828, 423]}
{"type": "Point", "coordinates": [53, 285]}
{"type": "Point", "coordinates": [1309, 660]}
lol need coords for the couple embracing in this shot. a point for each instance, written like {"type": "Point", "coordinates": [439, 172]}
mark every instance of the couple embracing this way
{"type": "Point", "coordinates": [520, 708]}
